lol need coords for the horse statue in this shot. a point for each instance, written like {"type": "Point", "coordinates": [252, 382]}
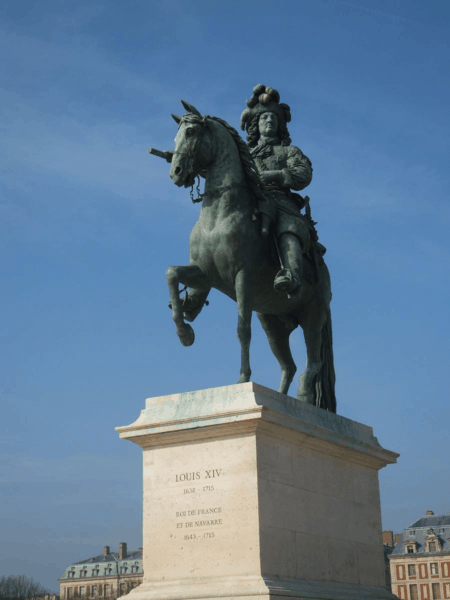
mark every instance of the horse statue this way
{"type": "Point", "coordinates": [228, 253]}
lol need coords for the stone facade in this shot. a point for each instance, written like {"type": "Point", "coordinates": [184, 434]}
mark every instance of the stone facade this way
{"type": "Point", "coordinates": [420, 561]}
{"type": "Point", "coordinates": [109, 575]}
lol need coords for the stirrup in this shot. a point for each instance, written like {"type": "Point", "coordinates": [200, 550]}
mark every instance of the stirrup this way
{"type": "Point", "coordinates": [284, 281]}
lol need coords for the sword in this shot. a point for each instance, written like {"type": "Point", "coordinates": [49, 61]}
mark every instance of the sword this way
{"type": "Point", "coordinates": [168, 154]}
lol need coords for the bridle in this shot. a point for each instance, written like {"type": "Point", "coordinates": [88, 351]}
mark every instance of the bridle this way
{"type": "Point", "coordinates": [191, 156]}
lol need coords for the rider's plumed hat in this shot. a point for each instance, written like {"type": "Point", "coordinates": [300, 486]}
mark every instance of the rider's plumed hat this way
{"type": "Point", "coordinates": [264, 99]}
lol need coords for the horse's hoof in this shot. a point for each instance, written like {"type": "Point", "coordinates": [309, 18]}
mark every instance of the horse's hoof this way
{"type": "Point", "coordinates": [307, 398]}
{"type": "Point", "coordinates": [186, 335]}
{"type": "Point", "coordinates": [244, 378]}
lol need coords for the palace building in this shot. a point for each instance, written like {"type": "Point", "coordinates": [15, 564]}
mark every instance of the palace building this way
{"type": "Point", "coordinates": [109, 575]}
{"type": "Point", "coordinates": [420, 560]}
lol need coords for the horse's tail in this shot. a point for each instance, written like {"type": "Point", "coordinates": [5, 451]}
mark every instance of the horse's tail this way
{"type": "Point", "coordinates": [324, 381]}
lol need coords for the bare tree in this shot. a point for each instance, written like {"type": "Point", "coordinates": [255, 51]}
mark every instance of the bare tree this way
{"type": "Point", "coordinates": [18, 587]}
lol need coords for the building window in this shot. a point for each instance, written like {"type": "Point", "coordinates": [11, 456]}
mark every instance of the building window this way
{"type": "Point", "coordinates": [106, 590]}
{"type": "Point", "coordinates": [94, 590]}
{"type": "Point", "coordinates": [108, 571]}
{"type": "Point", "coordinates": [95, 572]}
{"type": "Point", "coordinates": [82, 590]}
{"type": "Point", "coordinates": [413, 592]}
{"type": "Point", "coordinates": [123, 570]}
{"type": "Point", "coordinates": [412, 570]}
{"type": "Point", "coordinates": [69, 593]}
{"type": "Point", "coordinates": [432, 547]}
{"type": "Point", "coordinates": [71, 574]}
{"type": "Point", "coordinates": [434, 569]}
{"type": "Point", "coordinates": [410, 550]}
{"type": "Point", "coordinates": [436, 591]}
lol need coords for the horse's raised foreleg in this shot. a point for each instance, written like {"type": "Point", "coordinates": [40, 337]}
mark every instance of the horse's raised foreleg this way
{"type": "Point", "coordinates": [244, 291]}
{"type": "Point", "coordinates": [278, 333]}
{"type": "Point", "coordinates": [191, 276]}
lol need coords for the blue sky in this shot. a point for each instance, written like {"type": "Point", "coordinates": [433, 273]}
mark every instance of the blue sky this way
{"type": "Point", "coordinates": [89, 223]}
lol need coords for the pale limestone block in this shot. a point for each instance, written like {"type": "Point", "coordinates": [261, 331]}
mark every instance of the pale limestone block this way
{"type": "Point", "coordinates": [366, 486]}
{"type": "Point", "coordinates": [281, 506]}
{"type": "Point", "coordinates": [368, 523]}
{"type": "Point", "coordinates": [275, 459]}
{"type": "Point", "coordinates": [371, 565]}
{"type": "Point", "coordinates": [343, 561]}
{"type": "Point", "coordinates": [249, 493]}
{"type": "Point", "coordinates": [312, 557]}
{"type": "Point", "coordinates": [307, 470]}
{"type": "Point", "coordinates": [278, 552]}
{"type": "Point", "coordinates": [337, 476]}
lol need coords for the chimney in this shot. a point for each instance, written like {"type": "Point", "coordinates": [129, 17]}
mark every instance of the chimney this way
{"type": "Point", "coordinates": [430, 513]}
{"type": "Point", "coordinates": [106, 550]}
{"type": "Point", "coordinates": [397, 538]}
{"type": "Point", "coordinates": [122, 550]}
{"type": "Point", "coordinates": [388, 538]}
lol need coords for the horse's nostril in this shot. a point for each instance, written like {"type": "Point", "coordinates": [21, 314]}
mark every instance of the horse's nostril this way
{"type": "Point", "coordinates": [177, 170]}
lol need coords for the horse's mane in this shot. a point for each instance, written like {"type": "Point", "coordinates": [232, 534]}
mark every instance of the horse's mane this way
{"type": "Point", "coordinates": [251, 174]}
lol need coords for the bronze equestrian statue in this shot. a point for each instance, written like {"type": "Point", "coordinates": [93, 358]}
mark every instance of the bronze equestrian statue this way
{"type": "Point", "coordinates": [251, 241]}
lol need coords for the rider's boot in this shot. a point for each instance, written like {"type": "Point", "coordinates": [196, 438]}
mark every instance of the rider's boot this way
{"type": "Point", "coordinates": [290, 277]}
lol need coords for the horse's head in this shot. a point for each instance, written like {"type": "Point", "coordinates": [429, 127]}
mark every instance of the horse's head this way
{"type": "Point", "coordinates": [193, 147]}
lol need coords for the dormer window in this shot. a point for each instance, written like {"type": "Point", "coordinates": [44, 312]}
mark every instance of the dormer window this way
{"type": "Point", "coordinates": [71, 574]}
{"type": "Point", "coordinates": [432, 543]}
{"type": "Point", "coordinates": [410, 546]}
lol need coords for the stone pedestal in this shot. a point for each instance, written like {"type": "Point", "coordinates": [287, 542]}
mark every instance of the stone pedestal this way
{"type": "Point", "coordinates": [248, 492]}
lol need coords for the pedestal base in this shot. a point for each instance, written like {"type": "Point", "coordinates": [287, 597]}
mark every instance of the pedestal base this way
{"type": "Point", "coordinates": [248, 492]}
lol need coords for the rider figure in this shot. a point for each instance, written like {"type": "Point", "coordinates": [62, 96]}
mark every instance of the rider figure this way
{"type": "Point", "coordinates": [282, 168]}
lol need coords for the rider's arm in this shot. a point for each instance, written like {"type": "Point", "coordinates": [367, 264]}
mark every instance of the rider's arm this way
{"type": "Point", "coordinates": [298, 172]}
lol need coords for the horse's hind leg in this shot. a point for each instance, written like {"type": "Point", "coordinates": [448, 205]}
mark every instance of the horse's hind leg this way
{"type": "Point", "coordinates": [244, 291]}
{"type": "Point", "coordinates": [191, 276]}
{"type": "Point", "coordinates": [278, 335]}
{"type": "Point", "coordinates": [311, 321]}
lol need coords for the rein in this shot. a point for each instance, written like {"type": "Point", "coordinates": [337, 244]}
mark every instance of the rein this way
{"type": "Point", "coordinates": [215, 191]}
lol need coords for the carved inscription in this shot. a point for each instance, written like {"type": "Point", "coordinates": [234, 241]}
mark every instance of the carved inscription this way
{"type": "Point", "coordinates": [198, 518]}
{"type": "Point", "coordinates": [194, 475]}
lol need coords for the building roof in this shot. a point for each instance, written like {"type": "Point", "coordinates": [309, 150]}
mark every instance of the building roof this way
{"type": "Point", "coordinates": [418, 531]}
{"type": "Point", "coordinates": [432, 521]}
{"type": "Point", "coordinates": [111, 560]}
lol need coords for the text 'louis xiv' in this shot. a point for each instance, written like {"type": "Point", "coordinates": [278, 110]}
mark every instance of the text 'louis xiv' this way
{"type": "Point", "coordinates": [194, 475]}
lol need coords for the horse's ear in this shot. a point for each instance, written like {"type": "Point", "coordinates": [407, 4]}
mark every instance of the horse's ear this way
{"type": "Point", "coordinates": [177, 119]}
{"type": "Point", "coordinates": [190, 108]}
